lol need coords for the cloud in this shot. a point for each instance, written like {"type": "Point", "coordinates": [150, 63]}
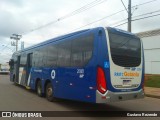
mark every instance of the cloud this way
{"type": "Point", "coordinates": [9, 24]}
{"type": "Point", "coordinates": [17, 3]}
{"type": "Point", "coordinates": [23, 16]}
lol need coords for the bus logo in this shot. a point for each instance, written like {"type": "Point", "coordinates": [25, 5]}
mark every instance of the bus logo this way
{"type": "Point", "coordinates": [127, 74]}
{"type": "Point", "coordinates": [133, 69]}
{"type": "Point", "coordinates": [106, 64]}
{"type": "Point", "coordinates": [53, 74]}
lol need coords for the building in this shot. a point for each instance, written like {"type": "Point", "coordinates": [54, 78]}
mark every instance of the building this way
{"type": "Point", "coordinates": [4, 68]}
{"type": "Point", "coordinates": [151, 44]}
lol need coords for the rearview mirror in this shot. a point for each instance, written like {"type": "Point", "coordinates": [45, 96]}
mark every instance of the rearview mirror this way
{"type": "Point", "coordinates": [11, 62]}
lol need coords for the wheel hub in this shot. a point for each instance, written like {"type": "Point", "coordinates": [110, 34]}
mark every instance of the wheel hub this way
{"type": "Point", "coordinates": [49, 91]}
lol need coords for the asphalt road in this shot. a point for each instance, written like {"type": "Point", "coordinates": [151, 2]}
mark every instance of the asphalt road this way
{"type": "Point", "coordinates": [16, 98]}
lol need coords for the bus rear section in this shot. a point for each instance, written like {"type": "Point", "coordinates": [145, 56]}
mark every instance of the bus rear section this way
{"type": "Point", "coordinates": [120, 71]}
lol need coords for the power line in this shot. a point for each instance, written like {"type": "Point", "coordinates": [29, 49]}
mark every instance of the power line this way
{"type": "Point", "coordinates": [82, 9]}
{"type": "Point", "coordinates": [115, 24]}
{"type": "Point", "coordinates": [121, 24]}
{"type": "Point", "coordinates": [146, 17]}
{"type": "Point", "coordinates": [110, 16]}
{"type": "Point", "coordinates": [124, 6]}
{"type": "Point", "coordinates": [118, 21]}
{"type": "Point", "coordinates": [144, 3]}
{"type": "Point", "coordinates": [147, 13]}
{"type": "Point", "coordinates": [98, 20]}
{"type": "Point", "coordinates": [4, 47]}
{"type": "Point", "coordinates": [138, 19]}
{"type": "Point", "coordinates": [90, 5]}
{"type": "Point", "coordinates": [139, 16]}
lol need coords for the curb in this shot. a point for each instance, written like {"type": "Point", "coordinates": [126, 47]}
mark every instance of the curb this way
{"type": "Point", "coordinates": [153, 96]}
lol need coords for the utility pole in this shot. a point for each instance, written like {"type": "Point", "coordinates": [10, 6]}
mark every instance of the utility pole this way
{"type": "Point", "coordinates": [129, 16]}
{"type": "Point", "coordinates": [15, 37]}
{"type": "Point", "coordinates": [22, 45]}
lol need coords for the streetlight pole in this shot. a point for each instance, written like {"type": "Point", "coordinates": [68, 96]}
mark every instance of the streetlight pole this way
{"type": "Point", "coordinates": [15, 37]}
{"type": "Point", "coordinates": [129, 16]}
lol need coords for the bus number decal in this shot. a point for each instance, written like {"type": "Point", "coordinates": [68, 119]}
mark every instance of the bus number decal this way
{"type": "Point", "coordinates": [80, 72]}
{"type": "Point", "coordinates": [53, 74]}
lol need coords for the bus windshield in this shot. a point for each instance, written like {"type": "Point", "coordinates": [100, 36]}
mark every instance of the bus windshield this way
{"type": "Point", "coordinates": [125, 49]}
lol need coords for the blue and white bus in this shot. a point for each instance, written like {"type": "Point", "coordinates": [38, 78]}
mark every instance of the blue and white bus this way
{"type": "Point", "coordinates": [96, 65]}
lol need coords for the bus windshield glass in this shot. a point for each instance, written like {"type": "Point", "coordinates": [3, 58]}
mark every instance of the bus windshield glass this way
{"type": "Point", "coordinates": [125, 49]}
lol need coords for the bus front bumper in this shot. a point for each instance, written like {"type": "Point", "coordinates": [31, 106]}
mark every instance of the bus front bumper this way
{"type": "Point", "coordinates": [118, 96]}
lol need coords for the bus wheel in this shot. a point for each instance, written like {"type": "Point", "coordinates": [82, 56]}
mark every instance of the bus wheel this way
{"type": "Point", "coordinates": [39, 89]}
{"type": "Point", "coordinates": [14, 80]}
{"type": "Point", "coordinates": [49, 92]}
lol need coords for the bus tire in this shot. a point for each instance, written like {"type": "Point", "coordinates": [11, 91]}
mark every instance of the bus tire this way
{"type": "Point", "coordinates": [39, 89]}
{"type": "Point", "coordinates": [49, 92]}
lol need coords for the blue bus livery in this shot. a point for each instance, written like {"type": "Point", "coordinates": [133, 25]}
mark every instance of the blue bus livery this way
{"type": "Point", "coordinates": [96, 65]}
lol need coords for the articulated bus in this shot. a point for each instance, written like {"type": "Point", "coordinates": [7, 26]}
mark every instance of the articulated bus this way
{"type": "Point", "coordinates": [97, 65]}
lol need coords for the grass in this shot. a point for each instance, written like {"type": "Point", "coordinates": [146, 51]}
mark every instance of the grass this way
{"type": "Point", "coordinates": [152, 81]}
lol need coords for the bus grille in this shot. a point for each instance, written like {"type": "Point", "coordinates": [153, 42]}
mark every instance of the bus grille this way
{"type": "Point", "coordinates": [126, 61]}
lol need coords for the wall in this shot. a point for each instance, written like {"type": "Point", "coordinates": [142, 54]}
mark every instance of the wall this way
{"type": "Point", "coordinates": [152, 54]}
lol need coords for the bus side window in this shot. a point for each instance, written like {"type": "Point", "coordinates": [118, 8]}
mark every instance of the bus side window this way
{"type": "Point", "coordinates": [23, 60]}
{"type": "Point", "coordinates": [35, 59]}
{"type": "Point", "coordinates": [64, 53]}
{"type": "Point", "coordinates": [44, 55]}
{"type": "Point", "coordinates": [51, 56]}
{"type": "Point", "coordinates": [81, 51]}
{"type": "Point", "coordinates": [38, 58]}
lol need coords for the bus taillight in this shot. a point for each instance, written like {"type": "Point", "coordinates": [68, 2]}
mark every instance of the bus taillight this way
{"type": "Point", "coordinates": [101, 80]}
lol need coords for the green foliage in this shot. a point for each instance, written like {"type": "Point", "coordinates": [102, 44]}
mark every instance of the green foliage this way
{"type": "Point", "coordinates": [153, 81]}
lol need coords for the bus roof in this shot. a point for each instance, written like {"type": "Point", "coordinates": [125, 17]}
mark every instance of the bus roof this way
{"type": "Point", "coordinates": [51, 40]}
{"type": "Point", "coordinates": [70, 35]}
{"type": "Point", "coordinates": [120, 30]}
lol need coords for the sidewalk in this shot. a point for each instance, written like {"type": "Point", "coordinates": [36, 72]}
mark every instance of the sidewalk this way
{"type": "Point", "coordinates": [152, 92]}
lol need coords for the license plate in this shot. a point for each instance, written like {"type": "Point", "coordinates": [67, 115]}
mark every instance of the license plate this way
{"type": "Point", "coordinates": [126, 82]}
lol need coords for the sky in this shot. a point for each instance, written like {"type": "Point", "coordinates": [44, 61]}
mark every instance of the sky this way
{"type": "Point", "coordinates": [39, 20]}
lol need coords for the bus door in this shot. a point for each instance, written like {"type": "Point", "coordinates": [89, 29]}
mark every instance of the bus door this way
{"type": "Point", "coordinates": [28, 70]}
{"type": "Point", "coordinates": [17, 69]}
